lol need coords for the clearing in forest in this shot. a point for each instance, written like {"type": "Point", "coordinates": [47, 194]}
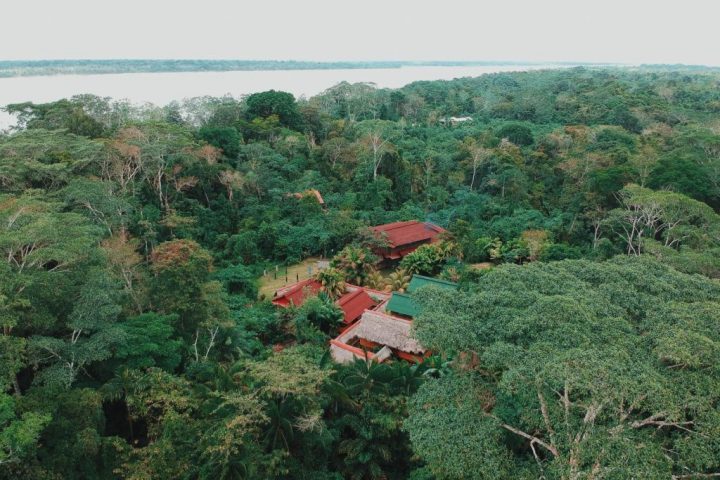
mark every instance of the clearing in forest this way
{"type": "Point", "coordinates": [300, 271]}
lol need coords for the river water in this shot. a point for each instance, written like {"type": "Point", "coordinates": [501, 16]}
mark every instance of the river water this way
{"type": "Point", "coordinates": [161, 88]}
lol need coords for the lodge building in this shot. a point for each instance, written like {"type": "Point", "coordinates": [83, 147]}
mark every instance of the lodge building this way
{"type": "Point", "coordinates": [378, 324]}
{"type": "Point", "coordinates": [401, 238]}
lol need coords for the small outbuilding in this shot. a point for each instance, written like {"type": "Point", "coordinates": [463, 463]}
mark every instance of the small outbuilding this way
{"type": "Point", "coordinates": [377, 336]}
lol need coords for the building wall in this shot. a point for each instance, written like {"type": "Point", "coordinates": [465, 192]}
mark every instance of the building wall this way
{"type": "Point", "coordinates": [341, 355]}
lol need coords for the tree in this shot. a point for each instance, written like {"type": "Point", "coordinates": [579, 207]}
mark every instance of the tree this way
{"type": "Point", "coordinates": [18, 433]}
{"type": "Point", "coordinates": [124, 262]}
{"type": "Point", "coordinates": [591, 371]}
{"type": "Point", "coordinates": [340, 155]}
{"type": "Point", "coordinates": [238, 280]}
{"type": "Point", "coordinates": [63, 114]}
{"type": "Point", "coordinates": [668, 217]}
{"type": "Point", "coordinates": [232, 180]}
{"type": "Point", "coordinates": [320, 312]}
{"type": "Point", "coordinates": [398, 280]}
{"type": "Point", "coordinates": [332, 281]}
{"type": "Point", "coordinates": [91, 334]}
{"type": "Point", "coordinates": [355, 263]}
{"type": "Point", "coordinates": [428, 259]}
{"type": "Point", "coordinates": [376, 141]}
{"type": "Point", "coordinates": [101, 202]}
{"type": "Point", "coordinates": [536, 241]}
{"type": "Point", "coordinates": [123, 162]}
{"type": "Point", "coordinates": [181, 268]}
{"type": "Point", "coordinates": [517, 133]}
{"type": "Point", "coordinates": [43, 159]}
{"type": "Point", "coordinates": [272, 102]}
{"type": "Point", "coordinates": [149, 342]}
{"type": "Point", "coordinates": [372, 444]}
{"type": "Point", "coordinates": [226, 139]}
{"type": "Point", "coordinates": [290, 383]}
{"type": "Point", "coordinates": [478, 155]}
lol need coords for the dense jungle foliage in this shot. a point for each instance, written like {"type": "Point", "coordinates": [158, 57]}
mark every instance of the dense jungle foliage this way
{"type": "Point", "coordinates": [583, 343]}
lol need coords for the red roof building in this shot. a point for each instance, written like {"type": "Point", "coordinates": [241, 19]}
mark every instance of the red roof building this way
{"type": "Point", "coordinates": [297, 293]}
{"type": "Point", "coordinates": [353, 304]}
{"type": "Point", "coordinates": [404, 237]}
{"type": "Point", "coordinates": [377, 336]}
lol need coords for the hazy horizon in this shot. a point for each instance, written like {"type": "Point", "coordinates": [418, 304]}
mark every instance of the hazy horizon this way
{"type": "Point", "coordinates": [615, 31]}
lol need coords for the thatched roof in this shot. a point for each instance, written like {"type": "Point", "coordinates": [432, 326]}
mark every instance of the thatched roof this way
{"type": "Point", "coordinates": [384, 329]}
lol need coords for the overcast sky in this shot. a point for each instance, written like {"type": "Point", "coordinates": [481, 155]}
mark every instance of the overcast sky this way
{"type": "Point", "coordinates": [625, 31]}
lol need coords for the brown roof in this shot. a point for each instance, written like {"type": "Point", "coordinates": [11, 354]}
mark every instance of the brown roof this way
{"type": "Point", "coordinates": [383, 329]}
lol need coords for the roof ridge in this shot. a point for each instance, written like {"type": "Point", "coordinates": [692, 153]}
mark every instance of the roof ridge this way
{"type": "Point", "coordinates": [388, 316]}
{"type": "Point", "coordinates": [402, 294]}
{"type": "Point", "coordinates": [435, 279]}
{"type": "Point", "coordinates": [433, 225]}
{"type": "Point", "coordinates": [294, 287]}
{"type": "Point", "coordinates": [394, 225]}
{"type": "Point", "coordinates": [349, 296]}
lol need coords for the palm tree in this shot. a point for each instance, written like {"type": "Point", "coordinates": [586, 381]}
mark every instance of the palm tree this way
{"type": "Point", "coordinates": [340, 398]}
{"type": "Point", "coordinates": [452, 274]}
{"type": "Point", "coordinates": [281, 414]}
{"type": "Point", "coordinates": [398, 281]}
{"type": "Point", "coordinates": [367, 376]}
{"type": "Point", "coordinates": [355, 262]}
{"type": "Point", "coordinates": [117, 390]}
{"type": "Point", "coordinates": [332, 281]}
{"type": "Point", "coordinates": [407, 377]}
{"type": "Point", "coordinates": [375, 280]}
{"type": "Point", "coordinates": [436, 366]}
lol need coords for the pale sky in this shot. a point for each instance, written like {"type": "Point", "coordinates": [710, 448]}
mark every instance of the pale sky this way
{"type": "Point", "coordinates": [623, 31]}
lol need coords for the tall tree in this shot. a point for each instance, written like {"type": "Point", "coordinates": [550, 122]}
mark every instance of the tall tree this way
{"type": "Point", "coordinates": [584, 374]}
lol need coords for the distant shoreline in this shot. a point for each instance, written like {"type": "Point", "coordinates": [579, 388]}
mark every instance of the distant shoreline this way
{"type": "Point", "coordinates": [34, 68]}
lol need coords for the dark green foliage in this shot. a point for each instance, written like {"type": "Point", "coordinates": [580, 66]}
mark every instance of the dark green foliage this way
{"type": "Point", "coordinates": [321, 313]}
{"type": "Point", "coordinates": [280, 104]}
{"type": "Point", "coordinates": [149, 342]}
{"type": "Point", "coordinates": [585, 343]}
{"type": "Point", "coordinates": [518, 134]}
{"type": "Point", "coordinates": [63, 114]}
{"type": "Point", "coordinates": [134, 344]}
{"type": "Point", "coordinates": [226, 139]}
{"type": "Point", "coordinates": [238, 280]}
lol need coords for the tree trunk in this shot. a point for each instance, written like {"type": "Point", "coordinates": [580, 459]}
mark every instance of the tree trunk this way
{"type": "Point", "coordinates": [16, 386]}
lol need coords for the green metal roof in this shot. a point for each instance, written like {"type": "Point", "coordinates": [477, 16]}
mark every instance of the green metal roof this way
{"type": "Point", "coordinates": [402, 304]}
{"type": "Point", "coordinates": [420, 281]}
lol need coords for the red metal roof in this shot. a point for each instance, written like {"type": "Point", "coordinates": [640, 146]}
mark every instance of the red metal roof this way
{"type": "Point", "coordinates": [405, 233]}
{"type": "Point", "coordinates": [354, 304]}
{"type": "Point", "coordinates": [296, 293]}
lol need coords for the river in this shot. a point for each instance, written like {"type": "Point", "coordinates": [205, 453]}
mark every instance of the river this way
{"type": "Point", "coordinates": [162, 88]}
